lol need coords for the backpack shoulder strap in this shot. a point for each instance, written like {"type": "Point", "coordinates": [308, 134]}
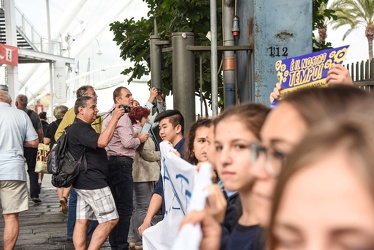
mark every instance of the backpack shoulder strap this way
{"type": "Point", "coordinates": [84, 160]}
{"type": "Point", "coordinates": [29, 112]}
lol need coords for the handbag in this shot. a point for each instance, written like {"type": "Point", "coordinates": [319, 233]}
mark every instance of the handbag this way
{"type": "Point", "coordinates": [41, 158]}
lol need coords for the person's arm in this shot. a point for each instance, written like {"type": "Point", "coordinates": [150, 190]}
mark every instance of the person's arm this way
{"type": "Point", "coordinates": [107, 134]}
{"type": "Point", "coordinates": [154, 206]}
{"type": "Point", "coordinates": [126, 133]}
{"type": "Point", "coordinates": [338, 74]}
{"type": "Point", "coordinates": [46, 140]}
{"type": "Point", "coordinates": [40, 134]}
{"type": "Point", "coordinates": [31, 144]}
{"type": "Point", "coordinates": [161, 106]}
{"type": "Point", "coordinates": [152, 95]}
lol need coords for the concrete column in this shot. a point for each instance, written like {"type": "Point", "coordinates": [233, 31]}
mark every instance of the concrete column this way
{"type": "Point", "coordinates": [278, 30]}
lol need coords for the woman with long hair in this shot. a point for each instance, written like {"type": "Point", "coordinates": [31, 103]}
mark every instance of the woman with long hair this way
{"type": "Point", "coordinates": [196, 146]}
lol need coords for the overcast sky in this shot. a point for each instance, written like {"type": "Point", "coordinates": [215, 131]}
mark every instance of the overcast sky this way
{"type": "Point", "coordinates": [35, 11]}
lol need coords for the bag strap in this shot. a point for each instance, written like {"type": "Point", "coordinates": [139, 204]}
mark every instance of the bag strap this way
{"type": "Point", "coordinates": [82, 159]}
{"type": "Point", "coordinates": [29, 112]}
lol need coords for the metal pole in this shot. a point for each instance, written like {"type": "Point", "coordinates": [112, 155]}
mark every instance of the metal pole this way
{"type": "Point", "coordinates": [201, 83]}
{"type": "Point", "coordinates": [51, 102]}
{"type": "Point", "coordinates": [213, 56]}
{"type": "Point", "coordinates": [184, 76]}
{"type": "Point", "coordinates": [228, 56]}
{"type": "Point", "coordinates": [155, 56]}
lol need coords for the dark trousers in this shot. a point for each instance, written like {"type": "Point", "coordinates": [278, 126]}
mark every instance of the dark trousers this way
{"type": "Point", "coordinates": [121, 185]}
{"type": "Point", "coordinates": [30, 155]}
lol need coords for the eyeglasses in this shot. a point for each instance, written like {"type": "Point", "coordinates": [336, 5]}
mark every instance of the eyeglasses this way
{"type": "Point", "coordinates": [274, 158]}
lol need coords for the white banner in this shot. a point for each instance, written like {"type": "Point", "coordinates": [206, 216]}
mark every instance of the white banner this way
{"type": "Point", "coordinates": [178, 177]}
{"type": "Point", "coordinates": [190, 235]}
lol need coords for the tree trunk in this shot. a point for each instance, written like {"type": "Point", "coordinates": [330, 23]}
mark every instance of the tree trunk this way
{"type": "Point", "coordinates": [369, 32]}
{"type": "Point", "coordinates": [322, 32]}
{"type": "Point", "coordinates": [370, 43]}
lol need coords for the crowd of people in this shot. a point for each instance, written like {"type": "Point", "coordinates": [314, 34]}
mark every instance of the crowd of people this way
{"type": "Point", "coordinates": [299, 176]}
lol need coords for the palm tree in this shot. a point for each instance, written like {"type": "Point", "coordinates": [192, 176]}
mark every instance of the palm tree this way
{"type": "Point", "coordinates": [322, 29]}
{"type": "Point", "coordinates": [356, 13]}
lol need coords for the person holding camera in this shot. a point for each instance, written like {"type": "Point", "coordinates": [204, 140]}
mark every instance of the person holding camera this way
{"type": "Point", "coordinates": [155, 94]}
{"type": "Point", "coordinates": [121, 152]}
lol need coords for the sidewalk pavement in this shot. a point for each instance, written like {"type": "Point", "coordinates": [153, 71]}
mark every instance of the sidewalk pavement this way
{"type": "Point", "coordinates": [43, 226]}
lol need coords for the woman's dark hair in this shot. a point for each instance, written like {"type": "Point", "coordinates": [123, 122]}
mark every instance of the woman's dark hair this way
{"type": "Point", "coordinates": [138, 113]}
{"type": "Point", "coordinates": [189, 154]}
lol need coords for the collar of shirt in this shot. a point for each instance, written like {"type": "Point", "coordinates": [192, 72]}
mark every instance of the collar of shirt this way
{"type": "Point", "coordinates": [180, 147]}
{"type": "Point", "coordinates": [4, 104]}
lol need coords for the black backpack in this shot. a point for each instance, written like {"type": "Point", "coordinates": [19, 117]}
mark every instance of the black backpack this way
{"type": "Point", "coordinates": [62, 165]}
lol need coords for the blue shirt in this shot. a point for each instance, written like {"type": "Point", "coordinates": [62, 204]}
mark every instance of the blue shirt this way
{"type": "Point", "coordinates": [16, 128]}
{"type": "Point", "coordinates": [242, 237]}
{"type": "Point", "coordinates": [159, 188]}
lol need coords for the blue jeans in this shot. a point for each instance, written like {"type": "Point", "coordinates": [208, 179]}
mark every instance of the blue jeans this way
{"type": "Point", "coordinates": [72, 216]}
{"type": "Point", "coordinates": [30, 155]}
{"type": "Point", "coordinates": [121, 185]}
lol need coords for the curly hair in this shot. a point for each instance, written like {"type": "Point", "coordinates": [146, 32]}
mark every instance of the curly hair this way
{"type": "Point", "coordinates": [138, 113]}
{"type": "Point", "coordinates": [189, 154]}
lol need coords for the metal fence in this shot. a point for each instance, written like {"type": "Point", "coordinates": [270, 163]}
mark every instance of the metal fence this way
{"type": "Point", "coordinates": [30, 34]}
{"type": "Point", "coordinates": [362, 74]}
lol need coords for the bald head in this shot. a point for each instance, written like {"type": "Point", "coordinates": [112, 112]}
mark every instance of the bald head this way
{"type": "Point", "coordinates": [21, 101]}
{"type": "Point", "coordinates": [5, 97]}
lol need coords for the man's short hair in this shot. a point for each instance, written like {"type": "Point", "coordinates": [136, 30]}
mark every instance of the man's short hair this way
{"type": "Point", "coordinates": [175, 118]}
{"type": "Point", "coordinates": [117, 92]}
{"type": "Point", "coordinates": [83, 90]}
{"type": "Point", "coordinates": [5, 97]}
{"type": "Point", "coordinates": [22, 100]}
{"type": "Point", "coordinates": [81, 102]}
